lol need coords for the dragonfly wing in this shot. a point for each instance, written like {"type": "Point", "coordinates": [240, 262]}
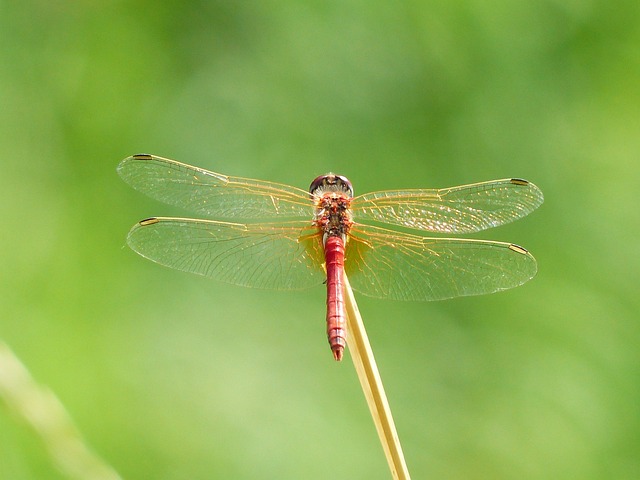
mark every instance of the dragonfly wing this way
{"type": "Point", "coordinates": [385, 264]}
{"type": "Point", "coordinates": [213, 194]}
{"type": "Point", "coordinates": [462, 209]}
{"type": "Point", "coordinates": [280, 257]}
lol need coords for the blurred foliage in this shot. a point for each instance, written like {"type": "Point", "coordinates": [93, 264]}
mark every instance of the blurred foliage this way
{"type": "Point", "coordinates": [171, 376]}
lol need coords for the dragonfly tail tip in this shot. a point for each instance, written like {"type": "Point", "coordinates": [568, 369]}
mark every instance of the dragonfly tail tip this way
{"type": "Point", "coordinates": [338, 352]}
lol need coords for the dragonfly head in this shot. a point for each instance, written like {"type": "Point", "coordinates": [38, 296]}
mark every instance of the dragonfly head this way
{"type": "Point", "coordinates": [331, 183]}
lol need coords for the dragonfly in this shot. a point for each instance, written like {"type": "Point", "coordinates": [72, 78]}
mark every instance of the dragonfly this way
{"type": "Point", "coordinates": [269, 235]}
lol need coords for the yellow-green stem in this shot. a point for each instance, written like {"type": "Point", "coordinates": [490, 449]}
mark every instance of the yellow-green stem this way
{"type": "Point", "coordinates": [365, 365]}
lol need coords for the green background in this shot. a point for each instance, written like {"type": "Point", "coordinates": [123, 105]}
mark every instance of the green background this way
{"type": "Point", "coordinates": [172, 376]}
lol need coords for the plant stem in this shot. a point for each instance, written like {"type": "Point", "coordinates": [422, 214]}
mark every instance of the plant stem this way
{"type": "Point", "coordinates": [41, 409]}
{"type": "Point", "coordinates": [371, 383]}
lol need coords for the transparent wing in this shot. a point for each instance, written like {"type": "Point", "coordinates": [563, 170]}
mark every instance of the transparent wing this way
{"type": "Point", "coordinates": [385, 264]}
{"type": "Point", "coordinates": [286, 256]}
{"type": "Point", "coordinates": [463, 209]}
{"type": "Point", "coordinates": [213, 194]}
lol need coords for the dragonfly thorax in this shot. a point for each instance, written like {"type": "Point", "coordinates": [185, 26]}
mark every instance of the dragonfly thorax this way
{"type": "Point", "coordinates": [332, 195]}
{"type": "Point", "coordinates": [333, 215]}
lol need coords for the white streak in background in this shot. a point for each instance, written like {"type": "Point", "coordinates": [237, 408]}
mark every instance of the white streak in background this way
{"type": "Point", "coordinates": [41, 409]}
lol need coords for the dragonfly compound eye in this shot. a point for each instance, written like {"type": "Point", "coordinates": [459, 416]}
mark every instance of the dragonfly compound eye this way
{"type": "Point", "coordinates": [331, 183]}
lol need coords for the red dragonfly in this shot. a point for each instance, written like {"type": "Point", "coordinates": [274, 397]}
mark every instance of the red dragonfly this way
{"type": "Point", "coordinates": [288, 238]}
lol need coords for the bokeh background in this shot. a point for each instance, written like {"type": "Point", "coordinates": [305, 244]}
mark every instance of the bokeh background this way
{"type": "Point", "coordinates": [172, 376]}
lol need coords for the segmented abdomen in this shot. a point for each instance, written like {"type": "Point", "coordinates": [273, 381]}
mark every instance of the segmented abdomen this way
{"type": "Point", "coordinates": [336, 317]}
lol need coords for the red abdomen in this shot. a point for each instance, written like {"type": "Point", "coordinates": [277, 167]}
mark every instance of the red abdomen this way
{"type": "Point", "coordinates": [336, 317]}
